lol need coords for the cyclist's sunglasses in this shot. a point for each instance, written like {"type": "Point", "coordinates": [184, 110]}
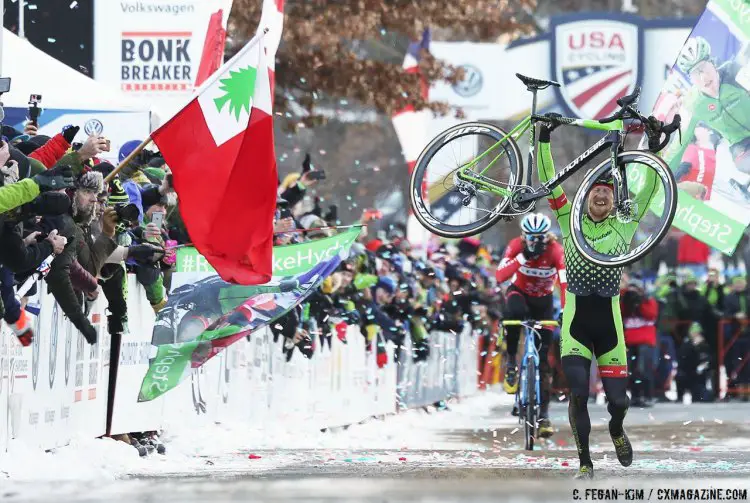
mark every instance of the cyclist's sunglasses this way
{"type": "Point", "coordinates": [535, 239]}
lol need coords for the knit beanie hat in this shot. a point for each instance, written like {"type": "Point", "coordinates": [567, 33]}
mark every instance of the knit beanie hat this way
{"type": "Point", "coordinates": [117, 194]}
{"type": "Point", "coordinates": [92, 181]}
{"type": "Point", "coordinates": [155, 174]}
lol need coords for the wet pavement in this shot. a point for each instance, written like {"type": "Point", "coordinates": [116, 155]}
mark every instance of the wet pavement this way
{"type": "Point", "coordinates": [701, 447]}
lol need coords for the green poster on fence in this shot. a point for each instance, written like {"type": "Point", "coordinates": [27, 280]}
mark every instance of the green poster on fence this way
{"type": "Point", "coordinates": [232, 312]}
{"type": "Point", "coordinates": [287, 260]}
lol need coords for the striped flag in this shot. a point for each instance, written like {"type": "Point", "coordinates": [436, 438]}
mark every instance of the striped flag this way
{"type": "Point", "coordinates": [410, 125]}
{"type": "Point", "coordinates": [411, 129]}
{"type": "Point", "coordinates": [272, 19]}
{"type": "Point", "coordinates": [213, 48]}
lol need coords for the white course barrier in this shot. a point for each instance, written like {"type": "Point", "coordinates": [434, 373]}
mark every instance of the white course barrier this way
{"type": "Point", "coordinates": [252, 382]}
{"type": "Point", "coordinates": [58, 387]}
{"type": "Point", "coordinates": [449, 370]}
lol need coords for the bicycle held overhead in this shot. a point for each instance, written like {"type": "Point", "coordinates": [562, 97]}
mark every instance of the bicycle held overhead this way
{"type": "Point", "coordinates": [488, 174]}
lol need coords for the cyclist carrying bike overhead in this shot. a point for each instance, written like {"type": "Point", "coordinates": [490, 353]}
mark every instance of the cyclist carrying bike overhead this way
{"type": "Point", "coordinates": [532, 262]}
{"type": "Point", "coordinates": [592, 323]}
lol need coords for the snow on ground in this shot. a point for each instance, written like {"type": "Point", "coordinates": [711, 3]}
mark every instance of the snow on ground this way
{"type": "Point", "coordinates": [227, 445]}
{"type": "Point", "coordinates": [477, 434]}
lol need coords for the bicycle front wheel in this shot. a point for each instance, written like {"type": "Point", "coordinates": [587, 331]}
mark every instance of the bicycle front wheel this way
{"type": "Point", "coordinates": [630, 232]}
{"type": "Point", "coordinates": [530, 416]}
{"type": "Point", "coordinates": [454, 208]}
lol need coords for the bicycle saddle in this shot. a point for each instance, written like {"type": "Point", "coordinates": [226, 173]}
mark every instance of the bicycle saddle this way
{"type": "Point", "coordinates": [533, 83]}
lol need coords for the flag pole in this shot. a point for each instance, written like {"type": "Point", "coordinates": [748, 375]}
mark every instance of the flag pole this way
{"type": "Point", "coordinates": [129, 158]}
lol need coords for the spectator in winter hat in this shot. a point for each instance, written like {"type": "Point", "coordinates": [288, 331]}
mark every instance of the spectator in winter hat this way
{"type": "Point", "coordinates": [319, 225]}
{"type": "Point", "coordinates": [90, 253]}
{"type": "Point", "coordinates": [384, 290]}
{"type": "Point", "coordinates": [127, 148]}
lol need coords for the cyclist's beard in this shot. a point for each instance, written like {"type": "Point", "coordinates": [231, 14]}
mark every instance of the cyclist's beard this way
{"type": "Point", "coordinates": [599, 208]}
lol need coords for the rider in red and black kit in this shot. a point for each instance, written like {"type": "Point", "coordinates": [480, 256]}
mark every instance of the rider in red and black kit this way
{"type": "Point", "coordinates": [532, 262]}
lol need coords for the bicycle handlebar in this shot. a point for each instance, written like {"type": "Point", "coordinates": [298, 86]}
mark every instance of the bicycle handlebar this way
{"type": "Point", "coordinates": [654, 127]}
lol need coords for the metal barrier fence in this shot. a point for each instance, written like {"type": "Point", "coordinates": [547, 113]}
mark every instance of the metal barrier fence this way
{"type": "Point", "coordinates": [729, 347]}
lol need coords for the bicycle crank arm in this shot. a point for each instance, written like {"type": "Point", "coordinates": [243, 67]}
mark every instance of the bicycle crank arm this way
{"type": "Point", "coordinates": [526, 197]}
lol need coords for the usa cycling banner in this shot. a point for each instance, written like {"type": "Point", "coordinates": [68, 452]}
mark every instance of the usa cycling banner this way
{"type": "Point", "coordinates": [709, 86]}
{"type": "Point", "coordinates": [204, 317]}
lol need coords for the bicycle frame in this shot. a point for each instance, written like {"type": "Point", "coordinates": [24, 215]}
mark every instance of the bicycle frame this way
{"type": "Point", "coordinates": [612, 141]}
{"type": "Point", "coordinates": [530, 353]}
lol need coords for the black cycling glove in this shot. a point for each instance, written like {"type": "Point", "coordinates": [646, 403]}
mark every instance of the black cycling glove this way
{"type": "Point", "coordinates": [59, 177]}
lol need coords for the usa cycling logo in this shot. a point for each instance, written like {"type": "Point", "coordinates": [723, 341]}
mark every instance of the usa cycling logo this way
{"type": "Point", "coordinates": [597, 61]}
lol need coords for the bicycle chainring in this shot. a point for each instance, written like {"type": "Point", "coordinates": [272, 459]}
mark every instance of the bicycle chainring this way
{"type": "Point", "coordinates": [521, 208]}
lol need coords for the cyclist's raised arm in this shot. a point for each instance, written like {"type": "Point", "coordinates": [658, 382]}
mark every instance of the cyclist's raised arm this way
{"type": "Point", "coordinates": [558, 202]}
{"type": "Point", "coordinates": [558, 255]}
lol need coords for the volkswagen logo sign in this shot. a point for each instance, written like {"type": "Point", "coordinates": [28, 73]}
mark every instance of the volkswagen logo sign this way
{"type": "Point", "coordinates": [471, 83]}
{"type": "Point", "coordinates": [93, 127]}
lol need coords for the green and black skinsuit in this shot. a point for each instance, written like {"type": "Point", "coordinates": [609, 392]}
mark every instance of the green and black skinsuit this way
{"type": "Point", "coordinates": [592, 324]}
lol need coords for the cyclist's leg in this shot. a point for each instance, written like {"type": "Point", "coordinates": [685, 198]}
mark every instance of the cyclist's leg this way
{"type": "Point", "coordinates": [516, 308]}
{"type": "Point", "coordinates": [542, 308]}
{"type": "Point", "coordinates": [575, 352]}
{"type": "Point", "coordinates": [609, 347]}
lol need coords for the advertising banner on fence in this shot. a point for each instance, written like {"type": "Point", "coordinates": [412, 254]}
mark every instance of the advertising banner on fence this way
{"type": "Point", "coordinates": [709, 86]}
{"type": "Point", "coordinates": [204, 317]}
{"type": "Point", "coordinates": [55, 389]}
{"type": "Point", "coordinates": [153, 48]}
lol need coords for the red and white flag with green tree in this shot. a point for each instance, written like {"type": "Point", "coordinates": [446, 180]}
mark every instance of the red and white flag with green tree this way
{"type": "Point", "coordinates": [220, 148]}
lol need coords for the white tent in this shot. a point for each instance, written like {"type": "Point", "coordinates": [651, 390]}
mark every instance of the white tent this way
{"type": "Point", "coordinates": [33, 71]}
{"type": "Point", "coordinates": [68, 97]}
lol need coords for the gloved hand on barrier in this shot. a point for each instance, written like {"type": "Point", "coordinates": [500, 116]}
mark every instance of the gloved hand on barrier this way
{"type": "Point", "coordinates": [86, 328]}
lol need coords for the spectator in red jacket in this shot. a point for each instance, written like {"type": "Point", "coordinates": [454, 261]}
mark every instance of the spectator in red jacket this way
{"type": "Point", "coordinates": [693, 255]}
{"type": "Point", "coordinates": [639, 313]}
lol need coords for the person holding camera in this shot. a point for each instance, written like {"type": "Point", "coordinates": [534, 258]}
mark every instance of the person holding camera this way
{"type": "Point", "coordinates": [90, 253]}
{"type": "Point", "coordinates": [639, 313]}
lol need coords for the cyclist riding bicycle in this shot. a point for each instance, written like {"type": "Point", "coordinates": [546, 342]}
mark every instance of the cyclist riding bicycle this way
{"type": "Point", "coordinates": [592, 323]}
{"type": "Point", "coordinates": [532, 262]}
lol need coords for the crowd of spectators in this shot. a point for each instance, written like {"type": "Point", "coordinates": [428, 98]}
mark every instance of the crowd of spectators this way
{"type": "Point", "coordinates": [687, 324]}
{"type": "Point", "coordinates": [76, 231]}
{"type": "Point", "coordinates": [392, 291]}
{"type": "Point", "coordinates": [61, 221]}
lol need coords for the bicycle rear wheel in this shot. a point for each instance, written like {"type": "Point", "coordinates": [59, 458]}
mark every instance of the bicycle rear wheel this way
{"type": "Point", "coordinates": [454, 208]}
{"type": "Point", "coordinates": [530, 419]}
{"type": "Point", "coordinates": [626, 236]}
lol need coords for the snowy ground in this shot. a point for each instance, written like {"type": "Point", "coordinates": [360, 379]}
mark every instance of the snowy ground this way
{"type": "Point", "coordinates": [471, 453]}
